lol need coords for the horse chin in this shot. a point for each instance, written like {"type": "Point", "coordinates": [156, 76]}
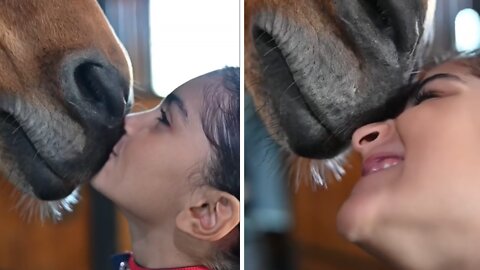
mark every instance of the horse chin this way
{"type": "Point", "coordinates": [30, 207]}
{"type": "Point", "coordinates": [29, 161]}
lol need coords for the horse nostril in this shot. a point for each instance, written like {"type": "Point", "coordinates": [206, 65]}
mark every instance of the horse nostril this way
{"type": "Point", "coordinates": [99, 85]}
{"type": "Point", "coordinates": [381, 16]}
{"type": "Point", "coordinates": [87, 81]}
{"type": "Point", "coordinates": [369, 137]}
{"type": "Point", "coordinates": [94, 90]}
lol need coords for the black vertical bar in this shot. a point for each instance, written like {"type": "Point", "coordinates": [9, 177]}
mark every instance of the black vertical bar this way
{"type": "Point", "coordinates": [102, 224]}
{"type": "Point", "coordinates": [103, 231]}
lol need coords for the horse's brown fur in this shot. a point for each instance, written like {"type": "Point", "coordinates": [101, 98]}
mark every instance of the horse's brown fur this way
{"type": "Point", "coordinates": [36, 35]}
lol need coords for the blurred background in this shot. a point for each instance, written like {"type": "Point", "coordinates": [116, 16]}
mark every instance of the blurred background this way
{"type": "Point", "coordinates": [169, 43]}
{"type": "Point", "coordinates": [293, 227]}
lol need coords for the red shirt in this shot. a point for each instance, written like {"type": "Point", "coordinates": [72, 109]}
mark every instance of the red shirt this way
{"type": "Point", "coordinates": [125, 261]}
{"type": "Point", "coordinates": [134, 266]}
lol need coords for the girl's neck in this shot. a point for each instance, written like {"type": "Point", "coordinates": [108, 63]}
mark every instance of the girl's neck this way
{"type": "Point", "coordinates": [157, 246]}
{"type": "Point", "coordinates": [435, 248]}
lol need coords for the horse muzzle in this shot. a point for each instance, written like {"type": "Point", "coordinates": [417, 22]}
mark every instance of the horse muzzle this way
{"type": "Point", "coordinates": [63, 135]}
{"type": "Point", "coordinates": [322, 75]}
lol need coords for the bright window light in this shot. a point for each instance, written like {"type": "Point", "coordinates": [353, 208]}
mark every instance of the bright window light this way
{"type": "Point", "coordinates": [190, 38]}
{"type": "Point", "coordinates": [467, 30]}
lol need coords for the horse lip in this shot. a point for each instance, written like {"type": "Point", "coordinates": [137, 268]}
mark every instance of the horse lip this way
{"type": "Point", "coordinates": [5, 116]}
{"type": "Point", "coordinates": [269, 42]}
{"type": "Point", "coordinates": [262, 36]}
{"type": "Point", "coordinates": [29, 160]}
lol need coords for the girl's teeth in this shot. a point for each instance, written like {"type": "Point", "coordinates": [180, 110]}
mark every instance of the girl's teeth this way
{"type": "Point", "coordinates": [386, 164]}
{"type": "Point", "coordinates": [380, 164]}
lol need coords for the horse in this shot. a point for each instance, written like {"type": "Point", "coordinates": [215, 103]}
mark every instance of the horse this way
{"type": "Point", "coordinates": [318, 69]}
{"type": "Point", "coordinates": [65, 87]}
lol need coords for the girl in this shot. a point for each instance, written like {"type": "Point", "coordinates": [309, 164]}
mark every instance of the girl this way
{"type": "Point", "coordinates": [175, 175]}
{"type": "Point", "coordinates": [417, 204]}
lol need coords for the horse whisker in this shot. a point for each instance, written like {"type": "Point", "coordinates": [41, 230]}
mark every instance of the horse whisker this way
{"type": "Point", "coordinates": [269, 51]}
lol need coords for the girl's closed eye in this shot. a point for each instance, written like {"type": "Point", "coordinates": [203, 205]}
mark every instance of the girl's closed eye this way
{"type": "Point", "coordinates": [437, 86]}
{"type": "Point", "coordinates": [163, 117]}
{"type": "Point", "coordinates": [424, 94]}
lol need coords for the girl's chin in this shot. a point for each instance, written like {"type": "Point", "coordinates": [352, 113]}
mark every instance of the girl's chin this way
{"type": "Point", "coordinates": [100, 181]}
{"type": "Point", "coordinates": [348, 224]}
{"type": "Point", "coordinates": [96, 181]}
{"type": "Point", "coordinates": [356, 218]}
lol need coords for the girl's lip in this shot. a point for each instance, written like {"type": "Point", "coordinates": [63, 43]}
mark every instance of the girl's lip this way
{"type": "Point", "coordinates": [116, 149]}
{"type": "Point", "coordinates": [380, 162]}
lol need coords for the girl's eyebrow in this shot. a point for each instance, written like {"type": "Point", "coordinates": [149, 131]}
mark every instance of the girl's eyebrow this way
{"type": "Point", "coordinates": [174, 99]}
{"type": "Point", "coordinates": [438, 76]}
{"type": "Point", "coordinates": [416, 87]}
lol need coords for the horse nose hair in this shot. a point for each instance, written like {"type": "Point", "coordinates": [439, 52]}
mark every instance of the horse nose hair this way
{"type": "Point", "coordinates": [95, 89]}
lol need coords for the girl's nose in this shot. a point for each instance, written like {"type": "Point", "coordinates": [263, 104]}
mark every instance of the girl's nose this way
{"type": "Point", "coordinates": [129, 124]}
{"type": "Point", "coordinates": [134, 122]}
{"type": "Point", "coordinates": [366, 137]}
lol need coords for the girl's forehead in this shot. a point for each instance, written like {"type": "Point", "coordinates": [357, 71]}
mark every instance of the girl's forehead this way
{"type": "Point", "coordinates": [199, 86]}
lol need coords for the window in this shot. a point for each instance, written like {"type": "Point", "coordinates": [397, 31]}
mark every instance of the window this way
{"type": "Point", "coordinates": [467, 30]}
{"type": "Point", "coordinates": [190, 38]}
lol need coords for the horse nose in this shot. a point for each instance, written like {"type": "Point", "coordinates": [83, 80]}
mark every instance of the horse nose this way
{"type": "Point", "coordinates": [99, 86]}
{"type": "Point", "coordinates": [95, 89]}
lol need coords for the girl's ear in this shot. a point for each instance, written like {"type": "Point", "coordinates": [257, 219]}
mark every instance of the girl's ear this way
{"type": "Point", "coordinates": [210, 215]}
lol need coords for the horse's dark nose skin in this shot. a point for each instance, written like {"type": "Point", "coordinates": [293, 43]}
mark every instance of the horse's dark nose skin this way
{"type": "Point", "coordinates": [94, 90]}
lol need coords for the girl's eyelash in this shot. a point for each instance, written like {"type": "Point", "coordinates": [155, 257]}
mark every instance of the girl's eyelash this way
{"type": "Point", "coordinates": [419, 94]}
{"type": "Point", "coordinates": [163, 118]}
{"type": "Point", "coordinates": [423, 95]}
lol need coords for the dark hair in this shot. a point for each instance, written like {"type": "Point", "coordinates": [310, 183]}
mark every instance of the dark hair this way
{"type": "Point", "coordinates": [221, 124]}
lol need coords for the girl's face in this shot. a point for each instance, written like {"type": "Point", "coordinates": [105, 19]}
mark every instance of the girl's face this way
{"type": "Point", "coordinates": [421, 177]}
{"type": "Point", "coordinates": [150, 172]}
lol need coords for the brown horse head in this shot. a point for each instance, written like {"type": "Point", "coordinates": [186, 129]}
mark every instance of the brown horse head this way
{"type": "Point", "coordinates": [64, 85]}
{"type": "Point", "coordinates": [318, 69]}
